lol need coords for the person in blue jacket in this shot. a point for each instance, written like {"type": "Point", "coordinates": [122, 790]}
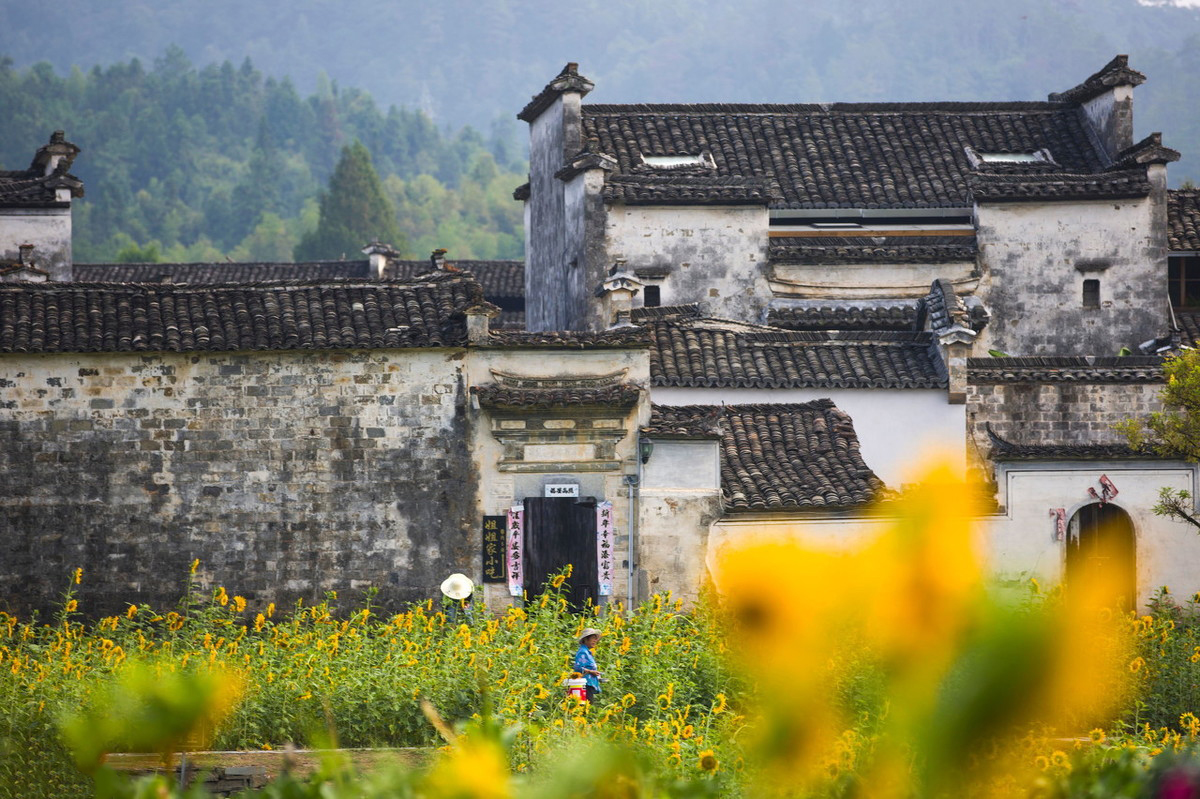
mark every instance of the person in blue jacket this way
{"type": "Point", "coordinates": [585, 661]}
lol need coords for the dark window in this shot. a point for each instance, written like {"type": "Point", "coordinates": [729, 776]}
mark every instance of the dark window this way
{"type": "Point", "coordinates": [1183, 281]}
{"type": "Point", "coordinates": [651, 298]}
{"type": "Point", "coordinates": [1091, 293]}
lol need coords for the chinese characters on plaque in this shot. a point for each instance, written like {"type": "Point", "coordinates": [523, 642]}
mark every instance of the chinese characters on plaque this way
{"type": "Point", "coordinates": [493, 549]}
{"type": "Point", "coordinates": [514, 552]}
{"type": "Point", "coordinates": [604, 547]}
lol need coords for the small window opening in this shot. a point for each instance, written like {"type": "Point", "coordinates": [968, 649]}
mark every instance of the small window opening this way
{"type": "Point", "coordinates": [668, 161]}
{"type": "Point", "coordinates": [1014, 158]}
{"type": "Point", "coordinates": [1183, 281]}
{"type": "Point", "coordinates": [651, 297]}
{"type": "Point", "coordinates": [1091, 293]}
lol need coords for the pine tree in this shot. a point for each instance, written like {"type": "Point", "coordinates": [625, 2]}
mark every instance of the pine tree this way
{"type": "Point", "coordinates": [354, 211]}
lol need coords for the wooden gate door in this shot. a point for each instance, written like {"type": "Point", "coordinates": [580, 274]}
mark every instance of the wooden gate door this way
{"type": "Point", "coordinates": [558, 531]}
{"type": "Point", "coordinates": [1102, 551]}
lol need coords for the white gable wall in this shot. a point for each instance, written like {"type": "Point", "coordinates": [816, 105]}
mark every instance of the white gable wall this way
{"type": "Point", "coordinates": [717, 254]}
{"type": "Point", "coordinates": [895, 427]}
{"type": "Point", "coordinates": [1035, 258]}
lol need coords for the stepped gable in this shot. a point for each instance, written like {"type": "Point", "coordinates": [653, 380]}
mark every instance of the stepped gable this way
{"type": "Point", "coordinates": [1183, 220]}
{"type": "Point", "coordinates": [88, 317]}
{"type": "Point", "coordinates": [712, 353]}
{"type": "Point", "coordinates": [846, 317]}
{"type": "Point", "coordinates": [1115, 73]}
{"type": "Point", "coordinates": [844, 155]}
{"type": "Point", "coordinates": [788, 457]}
{"type": "Point", "coordinates": [1066, 369]}
{"type": "Point", "coordinates": [221, 272]}
{"type": "Point", "coordinates": [38, 186]}
{"type": "Point", "coordinates": [1004, 450]}
{"type": "Point", "coordinates": [872, 249]}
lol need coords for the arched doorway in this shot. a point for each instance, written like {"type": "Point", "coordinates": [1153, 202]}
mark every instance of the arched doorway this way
{"type": "Point", "coordinates": [1102, 551]}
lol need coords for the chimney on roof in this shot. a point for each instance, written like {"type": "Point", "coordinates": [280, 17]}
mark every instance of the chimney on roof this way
{"type": "Point", "coordinates": [379, 258]}
{"type": "Point", "coordinates": [617, 293]}
{"type": "Point", "coordinates": [1107, 102]}
{"type": "Point", "coordinates": [479, 318]}
{"type": "Point", "coordinates": [23, 270]}
{"type": "Point", "coordinates": [437, 259]}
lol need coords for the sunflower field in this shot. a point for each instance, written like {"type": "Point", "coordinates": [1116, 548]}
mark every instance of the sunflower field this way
{"type": "Point", "coordinates": [890, 669]}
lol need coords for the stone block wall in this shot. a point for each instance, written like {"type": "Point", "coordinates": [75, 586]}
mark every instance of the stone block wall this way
{"type": "Point", "coordinates": [286, 474]}
{"type": "Point", "coordinates": [1056, 412]}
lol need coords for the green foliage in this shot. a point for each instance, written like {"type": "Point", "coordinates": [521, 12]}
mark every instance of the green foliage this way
{"type": "Point", "coordinates": [1173, 432]}
{"type": "Point", "coordinates": [354, 211]}
{"type": "Point", "coordinates": [187, 164]}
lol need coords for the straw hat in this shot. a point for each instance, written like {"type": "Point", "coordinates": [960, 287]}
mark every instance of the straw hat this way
{"type": "Point", "coordinates": [590, 631]}
{"type": "Point", "coordinates": [458, 586]}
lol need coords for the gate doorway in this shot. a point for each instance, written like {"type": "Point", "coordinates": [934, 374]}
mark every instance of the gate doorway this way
{"type": "Point", "coordinates": [558, 531]}
{"type": "Point", "coordinates": [1102, 551]}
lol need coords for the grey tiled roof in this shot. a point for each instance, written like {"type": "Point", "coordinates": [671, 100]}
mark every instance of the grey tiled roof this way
{"type": "Point", "coordinates": [218, 272]}
{"type": "Point", "coordinates": [622, 395]}
{"type": "Point", "coordinates": [878, 249]}
{"type": "Point", "coordinates": [1189, 326]}
{"type": "Point", "coordinates": [31, 188]}
{"type": "Point", "coordinates": [1085, 369]}
{"type": "Point", "coordinates": [1060, 186]}
{"type": "Point", "coordinates": [38, 185]}
{"type": "Point", "coordinates": [713, 353]}
{"type": "Point", "coordinates": [628, 337]}
{"type": "Point", "coordinates": [1004, 450]}
{"type": "Point", "coordinates": [794, 457]}
{"type": "Point", "coordinates": [641, 189]}
{"type": "Point", "coordinates": [498, 278]}
{"type": "Point", "coordinates": [846, 317]}
{"type": "Point", "coordinates": [503, 282]}
{"type": "Point", "coordinates": [692, 310]}
{"type": "Point", "coordinates": [873, 155]}
{"type": "Point", "coordinates": [685, 422]}
{"type": "Point", "coordinates": [1183, 220]}
{"type": "Point", "coordinates": [80, 317]}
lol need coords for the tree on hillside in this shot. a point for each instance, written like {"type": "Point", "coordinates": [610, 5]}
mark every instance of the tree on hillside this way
{"type": "Point", "coordinates": [354, 211]}
{"type": "Point", "coordinates": [1173, 432]}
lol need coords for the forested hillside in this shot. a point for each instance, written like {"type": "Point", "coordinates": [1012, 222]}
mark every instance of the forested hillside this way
{"type": "Point", "coordinates": [185, 164]}
{"type": "Point", "coordinates": [220, 158]}
{"type": "Point", "coordinates": [469, 62]}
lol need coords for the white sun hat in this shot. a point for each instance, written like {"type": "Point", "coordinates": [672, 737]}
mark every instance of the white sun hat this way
{"type": "Point", "coordinates": [588, 632]}
{"type": "Point", "coordinates": [458, 586]}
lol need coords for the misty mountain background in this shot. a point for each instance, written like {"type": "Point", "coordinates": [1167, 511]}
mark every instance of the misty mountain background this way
{"type": "Point", "coordinates": [458, 71]}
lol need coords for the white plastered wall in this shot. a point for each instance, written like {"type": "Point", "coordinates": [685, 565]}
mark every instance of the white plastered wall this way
{"type": "Point", "coordinates": [896, 428]}
{"type": "Point", "coordinates": [1023, 543]}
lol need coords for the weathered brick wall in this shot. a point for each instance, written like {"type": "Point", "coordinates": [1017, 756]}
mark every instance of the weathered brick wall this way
{"type": "Point", "coordinates": [1056, 412]}
{"type": "Point", "coordinates": [286, 474]}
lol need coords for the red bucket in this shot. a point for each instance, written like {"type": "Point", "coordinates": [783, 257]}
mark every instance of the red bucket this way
{"type": "Point", "coordinates": [577, 687]}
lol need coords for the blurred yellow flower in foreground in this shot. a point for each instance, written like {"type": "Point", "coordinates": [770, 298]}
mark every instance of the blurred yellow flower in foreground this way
{"type": "Point", "coordinates": [472, 769]}
{"type": "Point", "coordinates": [963, 675]}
